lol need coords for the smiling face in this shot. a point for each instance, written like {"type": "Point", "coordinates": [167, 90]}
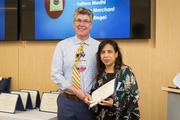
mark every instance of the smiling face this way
{"type": "Point", "coordinates": [108, 56]}
{"type": "Point", "coordinates": [82, 26]}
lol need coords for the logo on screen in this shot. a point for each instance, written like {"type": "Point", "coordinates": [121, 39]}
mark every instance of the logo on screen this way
{"type": "Point", "coordinates": [54, 8]}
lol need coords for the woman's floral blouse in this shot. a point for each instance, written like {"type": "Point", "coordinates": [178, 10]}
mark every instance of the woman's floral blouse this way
{"type": "Point", "coordinates": [125, 105]}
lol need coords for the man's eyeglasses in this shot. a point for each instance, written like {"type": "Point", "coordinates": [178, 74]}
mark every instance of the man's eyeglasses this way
{"type": "Point", "coordinates": [83, 21]}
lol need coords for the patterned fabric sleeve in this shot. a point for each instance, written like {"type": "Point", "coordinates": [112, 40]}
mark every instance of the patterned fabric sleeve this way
{"type": "Point", "coordinates": [126, 97]}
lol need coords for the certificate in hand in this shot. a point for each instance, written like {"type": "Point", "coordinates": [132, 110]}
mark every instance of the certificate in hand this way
{"type": "Point", "coordinates": [104, 92]}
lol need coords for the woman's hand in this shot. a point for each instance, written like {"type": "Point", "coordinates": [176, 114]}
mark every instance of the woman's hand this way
{"type": "Point", "coordinates": [106, 102]}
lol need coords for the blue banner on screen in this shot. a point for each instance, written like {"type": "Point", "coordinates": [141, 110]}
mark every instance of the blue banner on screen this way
{"type": "Point", "coordinates": [2, 32]}
{"type": "Point", "coordinates": [111, 19]}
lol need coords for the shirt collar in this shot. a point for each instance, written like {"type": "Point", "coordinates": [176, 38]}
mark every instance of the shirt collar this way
{"type": "Point", "coordinates": [78, 41]}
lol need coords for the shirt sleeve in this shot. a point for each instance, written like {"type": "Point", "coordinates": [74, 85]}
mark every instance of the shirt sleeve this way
{"type": "Point", "coordinates": [57, 68]}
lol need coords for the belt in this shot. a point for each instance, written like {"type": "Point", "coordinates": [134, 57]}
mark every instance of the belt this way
{"type": "Point", "coordinates": [73, 97]}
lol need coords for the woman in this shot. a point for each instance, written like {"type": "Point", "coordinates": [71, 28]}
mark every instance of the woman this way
{"type": "Point", "coordinates": [123, 104]}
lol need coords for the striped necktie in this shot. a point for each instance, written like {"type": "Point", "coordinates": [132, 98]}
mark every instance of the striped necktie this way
{"type": "Point", "coordinates": [76, 71]}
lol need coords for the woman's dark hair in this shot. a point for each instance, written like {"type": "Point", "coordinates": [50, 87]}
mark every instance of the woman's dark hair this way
{"type": "Point", "coordinates": [100, 64]}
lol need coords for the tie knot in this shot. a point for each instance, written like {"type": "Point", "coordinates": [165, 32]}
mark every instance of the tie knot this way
{"type": "Point", "coordinates": [82, 44]}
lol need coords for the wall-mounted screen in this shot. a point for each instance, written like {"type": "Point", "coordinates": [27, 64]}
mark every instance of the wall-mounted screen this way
{"type": "Point", "coordinates": [113, 19]}
{"type": "Point", "coordinates": [9, 20]}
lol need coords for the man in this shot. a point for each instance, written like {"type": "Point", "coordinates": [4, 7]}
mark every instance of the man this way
{"type": "Point", "coordinates": [68, 55]}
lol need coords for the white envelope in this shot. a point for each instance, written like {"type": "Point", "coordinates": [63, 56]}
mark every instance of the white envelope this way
{"type": "Point", "coordinates": [176, 80]}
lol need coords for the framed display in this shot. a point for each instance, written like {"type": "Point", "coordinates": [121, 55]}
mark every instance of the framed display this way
{"type": "Point", "coordinates": [113, 19]}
